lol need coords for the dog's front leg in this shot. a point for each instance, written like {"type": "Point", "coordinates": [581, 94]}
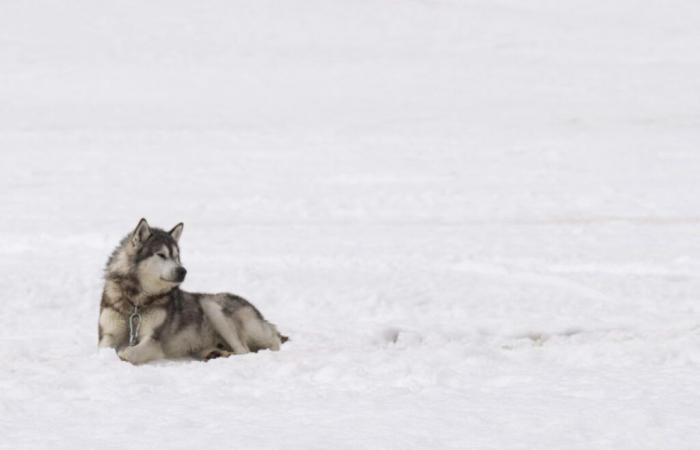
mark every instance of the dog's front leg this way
{"type": "Point", "coordinates": [143, 352]}
{"type": "Point", "coordinates": [107, 341]}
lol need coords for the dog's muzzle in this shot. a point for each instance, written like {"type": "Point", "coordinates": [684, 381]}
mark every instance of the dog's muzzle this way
{"type": "Point", "coordinates": [180, 273]}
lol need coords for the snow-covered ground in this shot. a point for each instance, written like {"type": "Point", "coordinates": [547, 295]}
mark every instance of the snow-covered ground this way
{"type": "Point", "coordinates": [478, 221]}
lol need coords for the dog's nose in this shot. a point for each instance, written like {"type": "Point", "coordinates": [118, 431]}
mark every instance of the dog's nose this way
{"type": "Point", "coordinates": [180, 273]}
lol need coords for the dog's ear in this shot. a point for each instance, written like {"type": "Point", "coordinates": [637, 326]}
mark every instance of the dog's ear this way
{"type": "Point", "coordinates": [176, 232]}
{"type": "Point", "coordinates": [141, 232]}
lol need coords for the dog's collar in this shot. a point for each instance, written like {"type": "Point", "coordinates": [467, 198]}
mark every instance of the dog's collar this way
{"type": "Point", "coordinates": [135, 316]}
{"type": "Point", "coordinates": [134, 326]}
{"type": "Point", "coordinates": [150, 299]}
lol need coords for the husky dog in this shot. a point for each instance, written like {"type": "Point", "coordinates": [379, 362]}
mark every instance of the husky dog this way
{"type": "Point", "coordinates": [145, 315]}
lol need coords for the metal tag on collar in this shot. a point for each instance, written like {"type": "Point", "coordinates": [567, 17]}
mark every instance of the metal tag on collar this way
{"type": "Point", "coordinates": [134, 326]}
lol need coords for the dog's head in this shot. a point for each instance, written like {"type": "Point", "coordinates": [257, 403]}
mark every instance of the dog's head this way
{"type": "Point", "coordinates": [155, 257]}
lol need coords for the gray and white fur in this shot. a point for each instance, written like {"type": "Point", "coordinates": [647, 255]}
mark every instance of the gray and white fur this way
{"type": "Point", "coordinates": [144, 274]}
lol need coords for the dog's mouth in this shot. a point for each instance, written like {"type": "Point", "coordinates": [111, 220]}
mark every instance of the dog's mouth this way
{"type": "Point", "coordinates": [176, 276]}
{"type": "Point", "coordinates": [170, 281]}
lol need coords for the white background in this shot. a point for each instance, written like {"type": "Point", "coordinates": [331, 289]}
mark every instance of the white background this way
{"type": "Point", "coordinates": [478, 221]}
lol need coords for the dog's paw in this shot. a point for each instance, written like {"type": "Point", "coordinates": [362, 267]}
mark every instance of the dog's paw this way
{"type": "Point", "coordinates": [217, 354]}
{"type": "Point", "coordinates": [127, 354]}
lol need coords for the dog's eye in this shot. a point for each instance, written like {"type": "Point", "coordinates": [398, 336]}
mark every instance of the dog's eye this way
{"type": "Point", "coordinates": [160, 255]}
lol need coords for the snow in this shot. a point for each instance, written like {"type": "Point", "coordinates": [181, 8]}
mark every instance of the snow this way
{"type": "Point", "coordinates": [477, 221]}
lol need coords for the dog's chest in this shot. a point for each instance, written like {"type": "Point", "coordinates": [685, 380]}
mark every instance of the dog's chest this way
{"type": "Point", "coordinates": [146, 323]}
{"type": "Point", "coordinates": [142, 324]}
